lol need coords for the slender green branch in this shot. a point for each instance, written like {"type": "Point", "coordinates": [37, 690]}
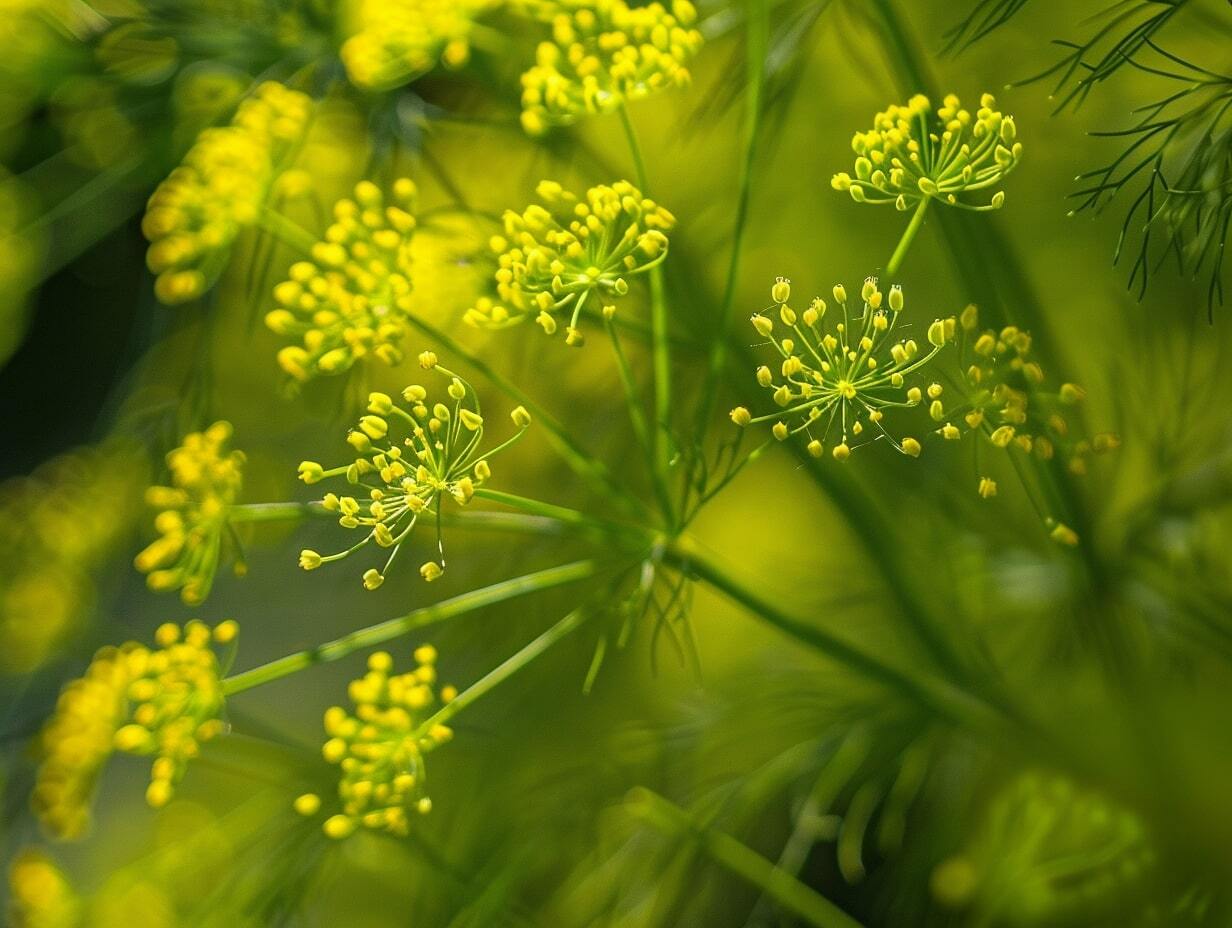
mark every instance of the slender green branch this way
{"type": "Point", "coordinates": [741, 860]}
{"type": "Point", "coordinates": [904, 243]}
{"type": "Point", "coordinates": [287, 231]}
{"type": "Point", "coordinates": [757, 40]}
{"type": "Point", "coordinates": [276, 512]}
{"type": "Point", "coordinates": [660, 337]}
{"type": "Point", "coordinates": [495, 677]}
{"type": "Point", "coordinates": [402, 625]}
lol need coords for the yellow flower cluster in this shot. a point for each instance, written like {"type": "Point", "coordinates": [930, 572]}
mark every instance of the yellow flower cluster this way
{"type": "Point", "coordinates": [439, 457]}
{"type": "Point", "coordinates": [913, 152]}
{"type": "Point", "coordinates": [604, 54]}
{"type": "Point", "coordinates": [163, 702]}
{"type": "Point", "coordinates": [1005, 401]}
{"type": "Point", "coordinates": [40, 895]}
{"type": "Point", "coordinates": [399, 40]}
{"type": "Point", "coordinates": [219, 189]}
{"type": "Point", "coordinates": [57, 529]}
{"type": "Point", "coordinates": [351, 300]}
{"type": "Point", "coordinates": [380, 748]}
{"type": "Point", "coordinates": [206, 479]}
{"type": "Point", "coordinates": [554, 256]}
{"type": "Point", "coordinates": [844, 379]}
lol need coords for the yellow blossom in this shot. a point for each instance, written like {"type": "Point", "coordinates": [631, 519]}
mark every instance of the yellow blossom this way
{"type": "Point", "coordinates": [219, 189]}
{"type": "Point", "coordinates": [192, 521]}
{"type": "Point", "coordinates": [40, 895]}
{"type": "Point", "coordinates": [553, 258]}
{"type": "Point", "coordinates": [604, 54]}
{"type": "Point", "coordinates": [380, 747]}
{"type": "Point", "coordinates": [351, 300]}
{"type": "Point", "coordinates": [162, 702]}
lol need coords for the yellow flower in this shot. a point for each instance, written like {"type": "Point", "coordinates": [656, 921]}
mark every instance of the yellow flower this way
{"type": "Point", "coordinates": [399, 40]}
{"type": "Point", "coordinates": [380, 747]}
{"type": "Point", "coordinates": [351, 300]}
{"type": "Point", "coordinates": [205, 481]}
{"type": "Point", "coordinates": [411, 459]}
{"type": "Point", "coordinates": [40, 895]}
{"type": "Point", "coordinates": [164, 702]}
{"type": "Point", "coordinates": [553, 258]}
{"type": "Point", "coordinates": [605, 54]}
{"type": "Point", "coordinates": [842, 380]}
{"type": "Point", "coordinates": [913, 152]}
{"type": "Point", "coordinates": [219, 189]}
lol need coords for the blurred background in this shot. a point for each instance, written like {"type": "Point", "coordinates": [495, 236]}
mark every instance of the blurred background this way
{"type": "Point", "coordinates": [1114, 656]}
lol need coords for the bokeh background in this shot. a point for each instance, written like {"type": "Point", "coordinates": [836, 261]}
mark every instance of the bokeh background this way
{"type": "Point", "coordinates": [1119, 649]}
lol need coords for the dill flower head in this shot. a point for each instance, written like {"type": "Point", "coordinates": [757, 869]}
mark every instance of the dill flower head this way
{"type": "Point", "coordinates": [219, 189]}
{"type": "Point", "coordinates": [380, 747]}
{"type": "Point", "coordinates": [205, 481]}
{"type": "Point", "coordinates": [841, 371]}
{"type": "Point", "coordinates": [162, 702]}
{"type": "Point", "coordinates": [604, 54]}
{"type": "Point", "coordinates": [913, 152]}
{"type": "Point", "coordinates": [399, 40]}
{"type": "Point", "coordinates": [553, 257]}
{"type": "Point", "coordinates": [40, 895]}
{"type": "Point", "coordinates": [413, 456]}
{"type": "Point", "coordinates": [1005, 400]}
{"type": "Point", "coordinates": [351, 300]}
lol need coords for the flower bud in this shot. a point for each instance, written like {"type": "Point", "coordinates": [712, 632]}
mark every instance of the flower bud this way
{"type": "Point", "coordinates": [741, 416]}
{"type": "Point", "coordinates": [781, 291]}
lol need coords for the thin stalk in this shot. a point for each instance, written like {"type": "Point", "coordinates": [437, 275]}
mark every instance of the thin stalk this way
{"type": "Point", "coordinates": [741, 860]}
{"type": "Point", "coordinates": [495, 677]}
{"type": "Point", "coordinates": [904, 243]}
{"type": "Point", "coordinates": [637, 417]}
{"type": "Point", "coordinates": [287, 231]}
{"type": "Point", "coordinates": [660, 339]}
{"type": "Point", "coordinates": [755, 62]}
{"type": "Point", "coordinates": [560, 514]}
{"type": "Point", "coordinates": [402, 625]}
{"type": "Point", "coordinates": [276, 512]}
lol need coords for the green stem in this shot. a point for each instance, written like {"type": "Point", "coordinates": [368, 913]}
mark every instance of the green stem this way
{"type": "Point", "coordinates": [755, 57]}
{"type": "Point", "coordinates": [660, 337]}
{"type": "Point", "coordinates": [504, 671]}
{"type": "Point", "coordinates": [276, 512]}
{"type": "Point", "coordinates": [394, 628]}
{"type": "Point", "coordinates": [904, 243]}
{"type": "Point", "coordinates": [741, 860]}
{"type": "Point", "coordinates": [286, 231]}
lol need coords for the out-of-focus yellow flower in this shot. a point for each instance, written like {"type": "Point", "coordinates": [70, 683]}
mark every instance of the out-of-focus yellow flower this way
{"type": "Point", "coordinates": [40, 895]}
{"type": "Point", "coordinates": [912, 153]}
{"type": "Point", "coordinates": [842, 376]}
{"type": "Point", "coordinates": [351, 300]}
{"type": "Point", "coordinates": [410, 460]}
{"type": "Point", "coordinates": [603, 55]}
{"type": "Point", "coordinates": [553, 258]}
{"type": "Point", "coordinates": [219, 189]}
{"type": "Point", "coordinates": [163, 702]}
{"type": "Point", "coordinates": [380, 747]}
{"type": "Point", "coordinates": [205, 481]}
{"type": "Point", "coordinates": [399, 40]}
{"type": "Point", "coordinates": [57, 528]}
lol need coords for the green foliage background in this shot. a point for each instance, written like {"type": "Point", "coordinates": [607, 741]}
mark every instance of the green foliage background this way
{"type": "Point", "coordinates": [1113, 660]}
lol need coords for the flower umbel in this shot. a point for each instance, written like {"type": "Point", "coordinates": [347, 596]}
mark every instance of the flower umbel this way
{"type": "Point", "coordinates": [351, 300]}
{"type": "Point", "coordinates": [399, 40]}
{"type": "Point", "coordinates": [552, 258]}
{"type": "Point", "coordinates": [845, 379]}
{"type": "Point", "coordinates": [205, 481]}
{"type": "Point", "coordinates": [380, 748]}
{"type": "Point", "coordinates": [439, 457]}
{"type": "Point", "coordinates": [913, 153]}
{"type": "Point", "coordinates": [219, 189]}
{"type": "Point", "coordinates": [604, 54]}
{"type": "Point", "coordinates": [163, 702]}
